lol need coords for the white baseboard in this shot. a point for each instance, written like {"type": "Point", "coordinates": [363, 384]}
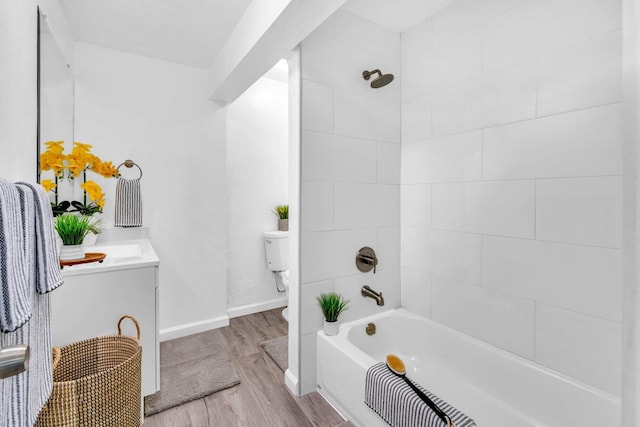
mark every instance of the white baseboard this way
{"type": "Point", "coordinates": [193, 328]}
{"type": "Point", "coordinates": [291, 382]}
{"type": "Point", "coordinates": [257, 307]}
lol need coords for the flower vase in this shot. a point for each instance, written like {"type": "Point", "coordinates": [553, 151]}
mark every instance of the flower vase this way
{"type": "Point", "coordinates": [331, 328]}
{"type": "Point", "coordinates": [283, 225]}
{"type": "Point", "coordinates": [71, 252]}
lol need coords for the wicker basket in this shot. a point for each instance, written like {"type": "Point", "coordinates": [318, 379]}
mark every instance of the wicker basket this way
{"type": "Point", "coordinates": [96, 382]}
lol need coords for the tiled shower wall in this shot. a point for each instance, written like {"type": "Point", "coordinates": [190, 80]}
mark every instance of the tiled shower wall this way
{"type": "Point", "coordinates": [350, 167]}
{"type": "Point", "coordinates": [511, 178]}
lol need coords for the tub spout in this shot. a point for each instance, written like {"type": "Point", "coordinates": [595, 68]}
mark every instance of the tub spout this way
{"type": "Point", "coordinates": [370, 293]}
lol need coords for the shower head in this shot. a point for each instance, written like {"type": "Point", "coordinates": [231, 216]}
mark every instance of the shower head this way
{"type": "Point", "coordinates": [381, 80]}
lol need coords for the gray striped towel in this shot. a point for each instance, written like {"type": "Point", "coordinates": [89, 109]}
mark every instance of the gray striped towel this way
{"type": "Point", "coordinates": [23, 396]}
{"type": "Point", "coordinates": [48, 276]}
{"type": "Point", "coordinates": [393, 400]}
{"type": "Point", "coordinates": [15, 294]}
{"type": "Point", "coordinates": [128, 203]}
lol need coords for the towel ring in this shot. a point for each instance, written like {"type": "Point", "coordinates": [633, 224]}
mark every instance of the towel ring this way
{"type": "Point", "coordinates": [130, 164]}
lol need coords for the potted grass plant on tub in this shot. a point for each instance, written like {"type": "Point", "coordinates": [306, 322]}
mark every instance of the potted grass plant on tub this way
{"type": "Point", "coordinates": [332, 305]}
{"type": "Point", "coordinates": [72, 230]}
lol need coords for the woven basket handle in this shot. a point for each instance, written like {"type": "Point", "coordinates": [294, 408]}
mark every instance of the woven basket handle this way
{"type": "Point", "coordinates": [133, 319]}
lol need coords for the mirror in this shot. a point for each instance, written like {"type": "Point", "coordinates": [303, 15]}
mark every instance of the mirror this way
{"type": "Point", "coordinates": [55, 93]}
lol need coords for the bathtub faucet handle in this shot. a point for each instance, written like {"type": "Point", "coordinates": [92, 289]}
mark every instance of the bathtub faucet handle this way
{"type": "Point", "coordinates": [366, 260]}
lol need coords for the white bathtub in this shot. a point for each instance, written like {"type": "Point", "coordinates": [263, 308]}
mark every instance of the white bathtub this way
{"type": "Point", "coordinates": [494, 387]}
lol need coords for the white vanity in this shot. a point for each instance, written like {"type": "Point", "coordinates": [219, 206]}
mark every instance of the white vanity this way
{"type": "Point", "coordinates": [95, 296]}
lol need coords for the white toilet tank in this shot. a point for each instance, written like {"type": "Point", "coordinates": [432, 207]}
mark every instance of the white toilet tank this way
{"type": "Point", "coordinates": [276, 245]}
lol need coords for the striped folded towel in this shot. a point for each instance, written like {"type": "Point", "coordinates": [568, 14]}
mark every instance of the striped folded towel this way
{"type": "Point", "coordinates": [391, 398]}
{"type": "Point", "coordinates": [128, 203]}
{"type": "Point", "coordinates": [47, 275]}
{"type": "Point", "coordinates": [15, 292]}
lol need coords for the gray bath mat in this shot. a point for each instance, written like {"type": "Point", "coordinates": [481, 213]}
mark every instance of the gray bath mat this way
{"type": "Point", "coordinates": [278, 350]}
{"type": "Point", "coordinates": [190, 368]}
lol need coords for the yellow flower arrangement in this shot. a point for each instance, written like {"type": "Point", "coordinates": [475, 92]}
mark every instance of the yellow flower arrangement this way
{"type": "Point", "coordinates": [94, 192]}
{"type": "Point", "coordinates": [48, 185]}
{"type": "Point", "coordinates": [79, 161]}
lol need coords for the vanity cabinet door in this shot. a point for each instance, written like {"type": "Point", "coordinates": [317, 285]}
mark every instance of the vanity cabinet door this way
{"type": "Point", "coordinates": [90, 305]}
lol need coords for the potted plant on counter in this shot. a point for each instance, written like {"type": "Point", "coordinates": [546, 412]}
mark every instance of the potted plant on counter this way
{"type": "Point", "coordinates": [72, 230]}
{"type": "Point", "coordinates": [332, 305]}
{"type": "Point", "coordinates": [282, 211]}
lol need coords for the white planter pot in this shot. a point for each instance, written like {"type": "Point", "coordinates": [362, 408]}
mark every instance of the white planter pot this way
{"type": "Point", "coordinates": [90, 240]}
{"type": "Point", "coordinates": [331, 328]}
{"type": "Point", "coordinates": [71, 252]}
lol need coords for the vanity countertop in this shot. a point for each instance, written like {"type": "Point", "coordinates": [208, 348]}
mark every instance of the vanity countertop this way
{"type": "Point", "coordinates": [121, 255]}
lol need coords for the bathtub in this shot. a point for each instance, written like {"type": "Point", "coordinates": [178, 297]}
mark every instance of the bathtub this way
{"type": "Point", "coordinates": [492, 386]}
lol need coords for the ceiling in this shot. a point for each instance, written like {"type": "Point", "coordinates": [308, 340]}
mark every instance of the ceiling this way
{"type": "Point", "coordinates": [190, 32]}
{"type": "Point", "coordinates": [397, 15]}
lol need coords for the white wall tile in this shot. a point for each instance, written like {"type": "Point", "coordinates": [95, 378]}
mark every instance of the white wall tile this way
{"type": "Point", "coordinates": [336, 158]}
{"type": "Point", "coordinates": [416, 291]}
{"type": "Point", "coordinates": [581, 278]}
{"type": "Point", "coordinates": [366, 205]}
{"type": "Point", "coordinates": [538, 27]}
{"type": "Point", "coordinates": [416, 40]}
{"type": "Point", "coordinates": [308, 366]}
{"type": "Point", "coordinates": [317, 107]}
{"type": "Point", "coordinates": [495, 318]}
{"type": "Point", "coordinates": [366, 116]}
{"type": "Point", "coordinates": [581, 346]}
{"type": "Point", "coordinates": [416, 119]}
{"type": "Point", "coordinates": [330, 254]}
{"type": "Point", "coordinates": [452, 255]}
{"type": "Point", "coordinates": [413, 84]}
{"type": "Point", "coordinates": [581, 143]}
{"type": "Point", "coordinates": [582, 75]}
{"type": "Point", "coordinates": [317, 210]}
{"type": "Point", "coordinates": [388, 248]}
{"type": "Point", "coordinates": [455, 157]}
{"type": "Point", "coordinates": [388, 163]}
{"type": "Point", "coordinates": [312, 318]}
{"type": "Point", "coordinates": [580, 210]}
{"type": "Point", "coordinates": [454, 61]}
{"type": "Point", "coordinates": [505, 208]}
{"type": "Point", "coordinates": [505, 96]}
{"type": "Point", "coordinates": [415, 208]}
{"type": "Point", "coordinates": [463, 15]}
{"type": "Point", "coordinates": [350, 287]}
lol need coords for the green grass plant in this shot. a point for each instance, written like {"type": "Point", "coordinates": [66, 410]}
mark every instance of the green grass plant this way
{"type": "Point", "coordinates": [282, 211]}
{"type": "Point", "coordinates": [72, 229]}
{"type": "Point", "coordinates": [332, 305]}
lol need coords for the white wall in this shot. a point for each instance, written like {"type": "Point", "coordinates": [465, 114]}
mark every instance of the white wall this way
{"type": "Point", "coordinates": [511, 178]}
{"type": "Point", "coordinates": [157, 113]}
{"type": "Point", "coordinates": [257, 181]}
{"type": "Point", "coordinates": [18, 100]}
{"type": "Point", "coordinates": [350, 156]}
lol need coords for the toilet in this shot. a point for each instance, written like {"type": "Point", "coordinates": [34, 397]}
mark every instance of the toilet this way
{"type": "Point", "coordinates": [276, 245]}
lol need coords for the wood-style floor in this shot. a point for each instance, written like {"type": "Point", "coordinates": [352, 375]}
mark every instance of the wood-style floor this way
{"type": "Point", "coordinates": [261, 399]}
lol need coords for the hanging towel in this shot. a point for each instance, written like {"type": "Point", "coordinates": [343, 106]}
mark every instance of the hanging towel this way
{"type": "Point", "coordinates": [48, 276]}
{"type": "Point", "coordinates": [391, 398]}
{"type": "Point", "coordinates": [128, 203]}
{"type": "Point", "coordinates": [23, 396]}
{"type": "Point", "coordinates": [15, 295]}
